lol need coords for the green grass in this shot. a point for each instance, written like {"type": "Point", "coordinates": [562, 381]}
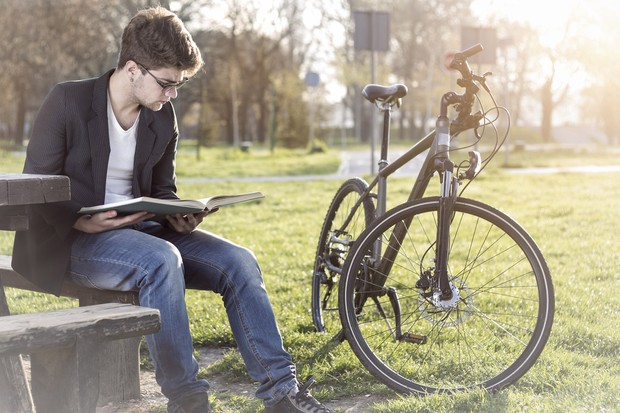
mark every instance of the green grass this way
{"type": "Point", "coordinates": [11, 161]}
{"type": "Point", "coordinates": [232, 162]}
{"type": "Point", "coordinates": [573, 217]}
{"type": "Point", "coordinates": [228, 162]}
{"type": "Point", "coordinates": [554, 156]}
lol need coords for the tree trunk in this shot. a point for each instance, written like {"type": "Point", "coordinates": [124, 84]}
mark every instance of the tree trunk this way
{"type": "Point", "coordinates": [547, 111]}
{"type": "Point", "coordinates": [20, 115]}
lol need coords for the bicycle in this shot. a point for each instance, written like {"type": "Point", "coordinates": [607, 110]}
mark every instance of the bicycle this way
{"type": "Point", "coordinates": [440, 293]}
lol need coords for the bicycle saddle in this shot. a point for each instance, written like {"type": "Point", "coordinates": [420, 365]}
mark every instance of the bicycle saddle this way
{"type": "Point", "coordinates": [384, 93]}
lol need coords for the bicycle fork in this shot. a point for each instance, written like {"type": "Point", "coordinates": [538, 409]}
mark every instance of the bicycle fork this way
{"type": "Point", "coordinates": [449, 188]}
{"type": "Point", "coordinates": [441, 292]}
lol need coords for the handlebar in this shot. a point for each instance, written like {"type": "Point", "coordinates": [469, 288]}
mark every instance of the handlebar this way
{"type": "Point", "coordinates": [459, 61]}
{"type": "Point", "coordinates": [467, 53]}
{"type": "Point", "coordinates": [464, 102]}
{"type": "Point", "coordinates": [444, 128]}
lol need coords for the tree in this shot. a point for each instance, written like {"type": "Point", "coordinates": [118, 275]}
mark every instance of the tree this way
{"type": "Point", "coordinates": [423, 37]}
{"type": "Point", "coordinates": [420, 35]}
{"type": "Point", "coordinates": [597, 50]}
{"type": "Point", "coordinates": [251, 49]}
{"type": "Point", "coordinates": [44, 42]}
{"type": "Point", "coordinates": [550, 101]}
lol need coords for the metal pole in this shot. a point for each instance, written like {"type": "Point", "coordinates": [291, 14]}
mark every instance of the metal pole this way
{"type": "Point", "coordinates": [373, 76]}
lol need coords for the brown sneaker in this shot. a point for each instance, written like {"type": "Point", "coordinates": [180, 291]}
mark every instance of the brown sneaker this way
{"type": "Point", "coordinates": [302, 402]}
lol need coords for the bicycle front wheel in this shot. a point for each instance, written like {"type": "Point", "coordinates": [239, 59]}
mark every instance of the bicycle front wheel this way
{"type": "Point", "coordinates": [346, 218]}
{"type": "Point", "coordinates": [415, 340]}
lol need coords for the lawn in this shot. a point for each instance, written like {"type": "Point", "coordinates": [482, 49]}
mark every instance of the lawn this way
{"type": "Point", "coordinates": [572, 217]}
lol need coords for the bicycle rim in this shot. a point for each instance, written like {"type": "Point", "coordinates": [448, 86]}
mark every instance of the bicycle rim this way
{"type": "Point", "coordinates": [334, 244]}
{"type": "Point", "coordinates": [488, 335]}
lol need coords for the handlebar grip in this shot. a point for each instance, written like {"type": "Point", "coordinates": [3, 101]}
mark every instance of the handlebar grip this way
{"type": "Point", "coordinates": [469, 52]}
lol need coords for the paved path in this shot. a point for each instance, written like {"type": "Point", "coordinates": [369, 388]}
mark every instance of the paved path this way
{"type": "Point", "coordinates": [352, 163]}
{"type": "Point", "coordinates": [573, 169]}
{"type": "Point", "coordinates": [357, 163]}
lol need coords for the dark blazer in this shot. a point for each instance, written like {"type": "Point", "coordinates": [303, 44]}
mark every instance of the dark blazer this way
{"type": "Point", "coordinates": [70, 137]}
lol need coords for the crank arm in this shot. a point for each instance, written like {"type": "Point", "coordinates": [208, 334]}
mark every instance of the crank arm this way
{"type": "Point", "coordinates": [398, 335]}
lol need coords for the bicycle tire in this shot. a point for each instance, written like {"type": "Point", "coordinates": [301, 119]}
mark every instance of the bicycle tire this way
{"type": "Point", "coordinates": [488, 335]}
{"type": "Point", "coordinates": [325, 315]}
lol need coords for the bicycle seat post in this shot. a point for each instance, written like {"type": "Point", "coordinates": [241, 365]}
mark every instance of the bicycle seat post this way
{"type": "Point", "coordinates": [385, 97]}
{"type": "Point", "coordinates": [383, 161]}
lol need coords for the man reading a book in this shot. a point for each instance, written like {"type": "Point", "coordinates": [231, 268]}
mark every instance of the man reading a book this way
{"type": "Point", "coordinates": [115, 136]}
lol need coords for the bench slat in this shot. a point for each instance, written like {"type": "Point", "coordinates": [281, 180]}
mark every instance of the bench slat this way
{"type": "Point", "coordinates": [87, 296]}
{"type": "Point", "coordinates": [24, 189]}
{"type": "Point", "coordinates": [28, 332]}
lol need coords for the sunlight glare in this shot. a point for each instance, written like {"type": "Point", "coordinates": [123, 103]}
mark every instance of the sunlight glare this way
{"type": "Point", "coordinates": [549, 17]}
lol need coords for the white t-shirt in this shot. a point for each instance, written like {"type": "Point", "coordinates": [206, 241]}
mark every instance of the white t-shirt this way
{"type": "Point", "coordinates": [120, 165]}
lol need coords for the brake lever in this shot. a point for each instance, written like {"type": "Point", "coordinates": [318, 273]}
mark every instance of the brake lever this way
{"type": "Point", "coordinates": [482, 80]}
{"type": "Point", "coordinates": [475, 162]}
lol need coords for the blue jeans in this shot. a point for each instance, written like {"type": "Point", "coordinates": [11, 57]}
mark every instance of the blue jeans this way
{"type": "Point", "coordinates": [160, 263]}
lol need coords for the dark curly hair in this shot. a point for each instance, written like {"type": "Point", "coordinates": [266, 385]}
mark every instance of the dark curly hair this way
{"type": "Point", "coordinates": [157, 38]}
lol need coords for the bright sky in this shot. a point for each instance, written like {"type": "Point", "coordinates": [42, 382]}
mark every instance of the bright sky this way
{"type": "Point", "coordinates": [594, 22]}
{"type": "Point", "coordinates": [549, 16]}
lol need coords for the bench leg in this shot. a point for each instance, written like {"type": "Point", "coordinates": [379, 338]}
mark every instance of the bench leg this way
{"type": "Point", "coordinates": [15, 394]}
{"type": "Point", "coordinates": [14, 390]}
{"type": "Point", "coordinates": [119, 376]}
{"type": "Point", "coordinates": [66, 380]}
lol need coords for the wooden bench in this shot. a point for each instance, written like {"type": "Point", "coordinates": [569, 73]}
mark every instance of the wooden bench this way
{"type": "Point", "coordinates": [119, 377]}
{"type": "Point", "coordinates": [64, 348]}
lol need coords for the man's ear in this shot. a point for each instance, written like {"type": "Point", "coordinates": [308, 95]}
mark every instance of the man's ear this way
{"type": "Point", "coordinates": [131, 68]}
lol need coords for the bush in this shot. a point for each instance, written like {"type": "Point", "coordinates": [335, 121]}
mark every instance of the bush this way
{"type": "Point", "coordinates": [318, 146]}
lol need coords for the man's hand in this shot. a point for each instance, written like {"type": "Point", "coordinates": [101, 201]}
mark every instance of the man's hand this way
{"type": "Point", "coordinates": [108, 220]}
{"type": "Point", "coordinates": [185, 224]}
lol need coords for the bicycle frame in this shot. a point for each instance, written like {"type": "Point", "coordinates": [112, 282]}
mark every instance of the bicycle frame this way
{"type": "Point", "coordinates": [386, 169]}
{"type": "Point", "coordinates": [417, 191]}
{"type": "Point", "coordinates": [437, 160]}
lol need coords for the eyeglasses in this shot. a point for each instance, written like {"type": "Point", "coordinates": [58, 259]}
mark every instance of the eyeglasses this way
{"type": "Point", "coordinates": [166, 86]}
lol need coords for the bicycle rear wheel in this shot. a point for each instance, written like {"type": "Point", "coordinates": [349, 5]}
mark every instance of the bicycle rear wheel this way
{"type": "Point", "coordinates": [488, 335]}
{"type": "Point", "coordinates": [340, 229]}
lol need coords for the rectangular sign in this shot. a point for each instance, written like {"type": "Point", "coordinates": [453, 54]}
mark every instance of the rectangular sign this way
{"type": "Point", "coordinates": [372, 30]}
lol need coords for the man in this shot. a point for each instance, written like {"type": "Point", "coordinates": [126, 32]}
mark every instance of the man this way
{"type": "Point", "coordinates": [115, 136]}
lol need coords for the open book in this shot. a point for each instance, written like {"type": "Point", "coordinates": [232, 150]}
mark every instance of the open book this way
{"type": "Point", "coordinates": [163, 207]}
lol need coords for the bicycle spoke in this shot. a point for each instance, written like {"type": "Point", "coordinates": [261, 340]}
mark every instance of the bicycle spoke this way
{"type": "Point", "coordinates": [474, 338]}
{"type": "Point", "coordinates": [346, 218]}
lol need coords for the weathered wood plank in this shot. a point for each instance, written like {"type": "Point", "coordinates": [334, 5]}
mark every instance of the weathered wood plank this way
{"type": "Point", "coordinates": [66, 380]}
{"type": "Point", "coordinates": [87, 296]}
{"type": "Point", "coordinates": [15, 396]}
{"type": "Point", "coordinates": [13, 218]}
{"type": "Point", "coordinates": [119, 377]}
{"type": "Point", "coordinates": [24, 189]}
{"type": "Point", "coordinates": [4, 307]}
{"type": "Point", "coordinates": [14, 391]}
{"type": "Point", "coordinates": [31, 332]}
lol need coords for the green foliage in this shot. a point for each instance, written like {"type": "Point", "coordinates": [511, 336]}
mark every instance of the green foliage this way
{"type": "Point", "coordinates": [292, 128]}
{"type": "Point", "coordinates": [11, 161]}
{"type": "Point", "coordinates": [318, 146]}
{"type": "Point", "coordinates": [209, 125]}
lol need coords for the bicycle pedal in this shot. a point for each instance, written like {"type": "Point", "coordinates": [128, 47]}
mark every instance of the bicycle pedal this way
{"type": "Point", "coordinates": [414, 338]}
